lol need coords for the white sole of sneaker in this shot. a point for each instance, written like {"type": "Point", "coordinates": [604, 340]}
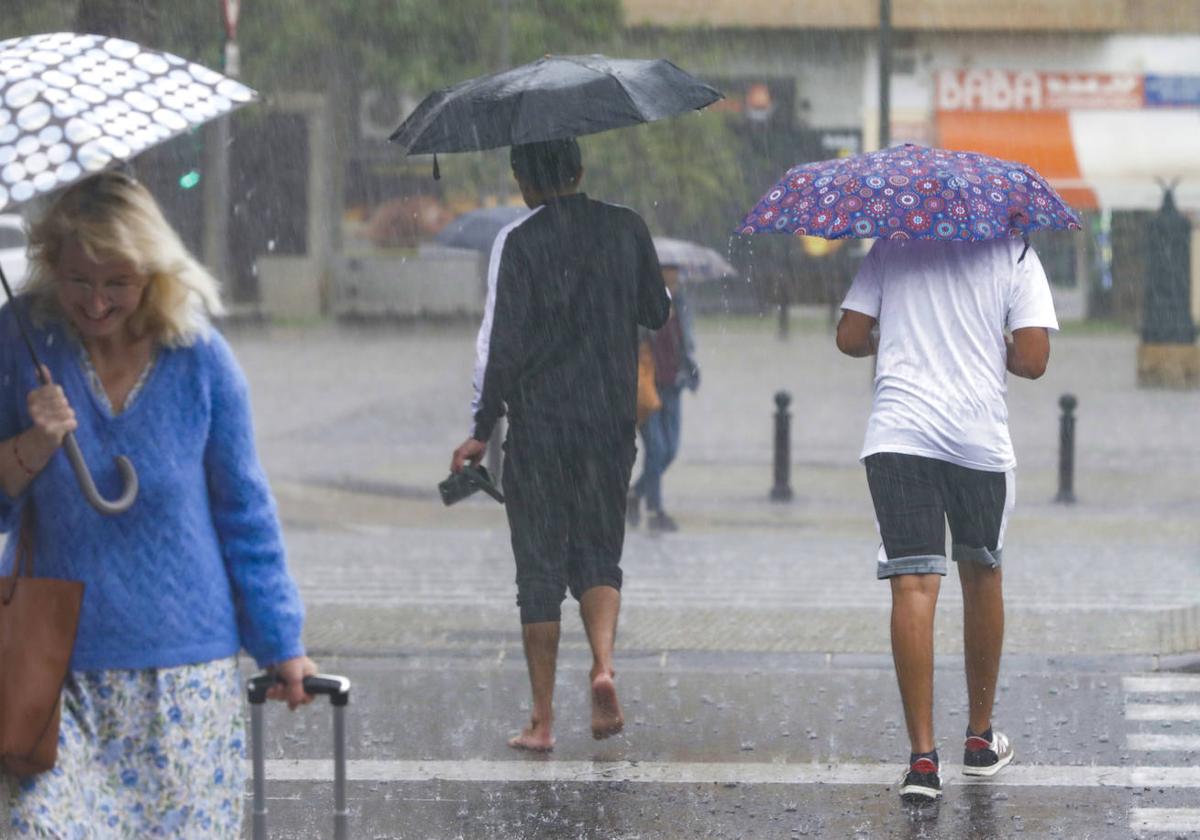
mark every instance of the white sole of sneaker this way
{"type": "Point", "coordinates": [990, 770]}
{"type": "Point", "coordinates": [917, 796]}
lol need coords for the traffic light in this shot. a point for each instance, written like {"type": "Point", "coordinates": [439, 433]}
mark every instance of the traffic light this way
{"type": "Point", "coordinates": [191, 159]}
{"type": "Point", "coordinates": [189, 179]}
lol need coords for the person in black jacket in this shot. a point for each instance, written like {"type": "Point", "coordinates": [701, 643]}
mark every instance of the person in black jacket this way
{"type": "Point", "coordinates": [568, 286]}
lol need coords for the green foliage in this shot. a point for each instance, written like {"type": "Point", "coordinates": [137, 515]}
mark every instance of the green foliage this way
{"type": "Point", "coordinates": [561, 27]}
{"type": "Point", "coordinates": [407, 44]}
{"type": "Point", "coordinates": [683, 175]}
{"type": "Point", "coordinates": [410, 44]}
{"type": "Point", "coordinates": [478, 177]}
{"type": "Point", "coordinates": [32, 18]}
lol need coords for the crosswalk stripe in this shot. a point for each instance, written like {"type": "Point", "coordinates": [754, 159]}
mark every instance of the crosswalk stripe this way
{"type": "Point", "coordinates": [649, 772]}
{"type": "Point", "coordinates": [1162, 743]}
{"type": "Point", "coordinates": [1164, 819]}
{"type": "Point", "coordinates": [1164, 684]}
{"type": "Point", "coordinates": [1165, 776]}
{"type": "Point", "coordinates": [1162, 711]}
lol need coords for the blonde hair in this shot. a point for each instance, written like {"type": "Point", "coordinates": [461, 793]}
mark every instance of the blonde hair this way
{"type": "Point", "coordinates": [112, 216]}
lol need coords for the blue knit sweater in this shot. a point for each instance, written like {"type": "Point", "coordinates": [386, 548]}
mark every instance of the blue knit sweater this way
{"type": "Point", "coordinates": [195, 569]}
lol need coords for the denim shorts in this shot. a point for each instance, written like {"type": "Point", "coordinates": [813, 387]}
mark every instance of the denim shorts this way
{"type": "Point", "coordinates": [915, 497]}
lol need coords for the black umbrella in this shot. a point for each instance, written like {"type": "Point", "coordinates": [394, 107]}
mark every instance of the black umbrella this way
{"type": "Point", "coordinates": [70, 105]}
{"type": "Point", "coordinates": [551, 98]}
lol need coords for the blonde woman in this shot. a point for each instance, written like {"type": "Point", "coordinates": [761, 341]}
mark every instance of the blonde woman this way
{"type": "Point", "coordinates": [151, 742]}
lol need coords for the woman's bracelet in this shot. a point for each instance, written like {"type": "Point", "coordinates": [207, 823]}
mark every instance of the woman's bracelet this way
{"type": "Point", "coordinates": [20, 463]}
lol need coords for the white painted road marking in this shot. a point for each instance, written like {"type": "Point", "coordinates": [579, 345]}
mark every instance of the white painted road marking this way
{"type": "Point", "coordinates": [651, 772]}
{"type": "Point", "coordinates": [1160, 743]}
{"type": "Point", "coordinates": [1175, 821]}
{"type": "Point", "coordinates": [1161, 684]}
{"type": "Point", "coordinates": [1162, 711]}
{"type": "Point", "coordinates": [1164, 819]}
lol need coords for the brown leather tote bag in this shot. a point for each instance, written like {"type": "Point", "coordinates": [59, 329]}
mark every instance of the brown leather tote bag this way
{"type": "Point", "coordinates": [38, 620]}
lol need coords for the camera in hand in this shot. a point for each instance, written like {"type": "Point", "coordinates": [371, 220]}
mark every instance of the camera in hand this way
{"type": "Point", "coordinates": [466, 481]}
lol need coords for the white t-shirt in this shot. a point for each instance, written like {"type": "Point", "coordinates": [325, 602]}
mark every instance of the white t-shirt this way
{"type": "Point", "coordinates": [943, 310]}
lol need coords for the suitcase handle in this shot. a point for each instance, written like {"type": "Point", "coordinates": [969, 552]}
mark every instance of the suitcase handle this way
{"type": "Point", "coordinates": [336, 687]}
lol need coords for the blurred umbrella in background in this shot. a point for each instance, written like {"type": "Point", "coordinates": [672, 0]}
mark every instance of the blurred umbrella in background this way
{"type": "Point", "coordinates": [695, 261]}
{"type": "Point", "coordinates": [475, 230]}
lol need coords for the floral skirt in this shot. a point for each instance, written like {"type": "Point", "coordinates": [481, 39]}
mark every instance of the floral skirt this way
{"type": "Point", "coordinates": [151, 753]}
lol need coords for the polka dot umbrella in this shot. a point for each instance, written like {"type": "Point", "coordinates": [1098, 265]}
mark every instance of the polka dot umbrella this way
{"type": "Point", "coordinates": [71, 105]}
{"type": "Point", "coordinates": [911, 192]}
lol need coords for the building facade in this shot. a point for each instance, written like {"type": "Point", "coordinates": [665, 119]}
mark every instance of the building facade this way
{"type": "Point", "coordinates": [1102, 97]}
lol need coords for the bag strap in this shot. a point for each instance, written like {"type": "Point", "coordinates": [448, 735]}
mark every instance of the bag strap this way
{"type": "Point", "coordinates": [23, 555]}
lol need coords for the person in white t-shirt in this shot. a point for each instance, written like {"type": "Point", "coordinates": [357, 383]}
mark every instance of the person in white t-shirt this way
{"type": "Point", "coordinates": [953, 318]}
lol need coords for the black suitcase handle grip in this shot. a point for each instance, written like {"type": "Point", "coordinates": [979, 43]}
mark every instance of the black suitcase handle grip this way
{"type": "Point", "coordinates": [336, 687]}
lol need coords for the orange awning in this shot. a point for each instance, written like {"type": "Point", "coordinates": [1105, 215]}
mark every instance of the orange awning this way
{"type": "Point", "coordinates": [1041, 139]}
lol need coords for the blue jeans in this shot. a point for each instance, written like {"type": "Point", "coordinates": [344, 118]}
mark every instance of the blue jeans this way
{"type": "Point", "coordinates": [660, 437]}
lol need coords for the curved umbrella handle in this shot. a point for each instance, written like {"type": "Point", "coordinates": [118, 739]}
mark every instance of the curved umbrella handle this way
{"type": "Point", "coordinates": [128, 474]}
{"type": "Point", "coordinates": [88, 487]}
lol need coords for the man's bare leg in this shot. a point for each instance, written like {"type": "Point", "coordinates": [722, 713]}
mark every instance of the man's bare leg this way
{"type": "Point", "coordinates": [914, 600]}
{"type": "Point", "coordinates": [541, 657]}
{"type": "Point", "coordinates": [983, 638]}
{"type": "Point", "coordinates": [599, 607]}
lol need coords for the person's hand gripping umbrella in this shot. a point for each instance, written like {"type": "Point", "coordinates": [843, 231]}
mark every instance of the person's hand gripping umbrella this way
{"type": "Point", "coordinates": [71, 105]}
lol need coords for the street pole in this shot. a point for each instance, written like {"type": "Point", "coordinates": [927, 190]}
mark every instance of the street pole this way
{"type": "Point", "coordinates": [504, 40]}
{"type": "Point", "coordinates": [885, 73]}
{"type": "Point", "coordinates": [885, 102]}
{"type": "Point", "coordinates": [216, 237]}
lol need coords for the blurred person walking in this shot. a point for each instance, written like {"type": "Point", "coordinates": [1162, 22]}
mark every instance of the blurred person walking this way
{"type": "Point", "coordinates": [152, 740]}
{"type": "Point", "coordinates": [952, 317]}
{"type": "Point", "coordinates": [672, 348]}
{"type": "Point", "coordinates": [568, 287]}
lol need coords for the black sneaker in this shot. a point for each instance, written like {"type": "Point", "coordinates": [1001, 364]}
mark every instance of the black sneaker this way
{"type": "Point", "coordinates": [986, 757]}
{"type": "Point", "coordinates": [921, 782]}
{"type": "Point", "coordinates": [660, 521]}
{"type": "Point", "coordinates": [633, 509]}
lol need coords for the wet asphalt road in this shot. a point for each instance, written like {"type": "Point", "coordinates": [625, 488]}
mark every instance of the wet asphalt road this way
{"type": "Point", "coordinates": [718, 746]}
{"type": "Point", "coordinates": [752, 662]}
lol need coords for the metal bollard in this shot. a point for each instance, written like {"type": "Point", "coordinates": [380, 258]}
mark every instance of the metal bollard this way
{"type": "Point", "coordinates": [782, 490]}
{"type": "Point", "coordinates": [1066, 450]}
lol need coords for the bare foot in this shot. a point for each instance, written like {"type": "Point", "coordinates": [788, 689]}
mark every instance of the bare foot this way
{"type": "Point", "coordinates": [606, 711]}
{"type": "Point", "coordinates": [534, 738]}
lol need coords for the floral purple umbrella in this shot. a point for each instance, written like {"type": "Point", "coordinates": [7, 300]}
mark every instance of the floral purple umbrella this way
{"type": "Point", "coordinates": [911, 192]}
